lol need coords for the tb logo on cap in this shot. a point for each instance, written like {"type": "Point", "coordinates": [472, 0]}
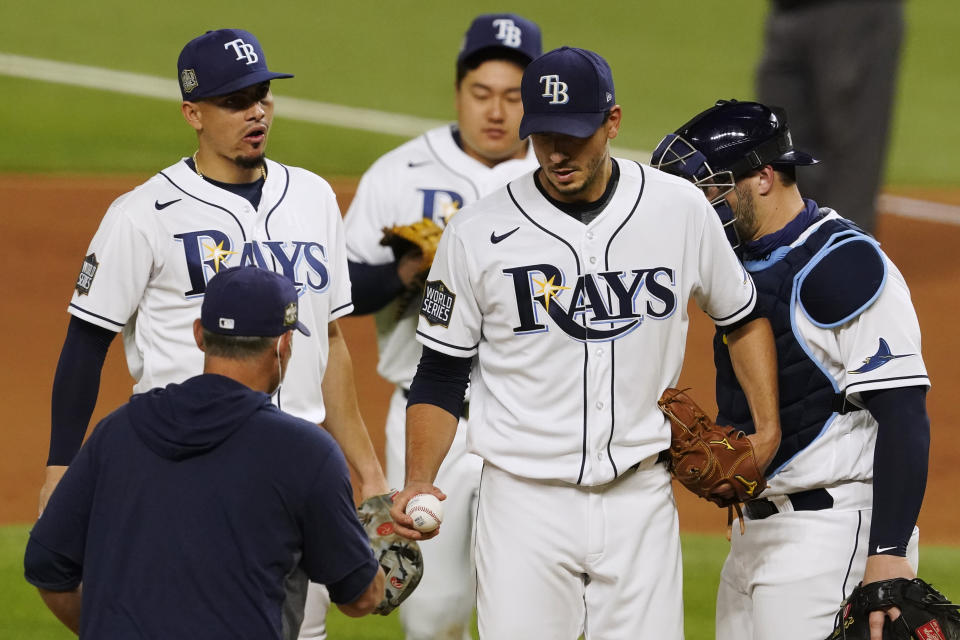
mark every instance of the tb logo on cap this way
{"type": "Point", "coordinates": [507, 31]}
{"type": "Point", "coordinates": [243, 51]}
{"type": "Point", "coordinates": [554, 89]}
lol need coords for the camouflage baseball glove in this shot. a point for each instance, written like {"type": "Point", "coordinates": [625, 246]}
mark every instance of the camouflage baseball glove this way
{"type": "Point", "coordinates": [925, 614]}
{"type": "Point", "coordinates": [422, 236]}
{"type": "Point", "coordinates": [706, 457]}
{"type": "Point", "coordinates": [399, 557]}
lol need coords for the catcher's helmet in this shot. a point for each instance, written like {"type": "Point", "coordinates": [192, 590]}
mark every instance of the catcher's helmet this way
{"type": "Point", "coordinates": [723, 144]}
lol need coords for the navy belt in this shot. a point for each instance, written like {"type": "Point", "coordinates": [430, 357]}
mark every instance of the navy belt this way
{"type": "Point", "coordinates": [812, 500]}
{"type": "Point", "coordinates": [464, 410]}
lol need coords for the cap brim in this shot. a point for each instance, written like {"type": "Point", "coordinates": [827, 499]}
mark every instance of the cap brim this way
{"type": "Point", "coordinates": [796, 157]}
{"type": "Point", "coordinates": [302, 328]}
{"type": "Point", "coordinates": [242, 83]}
{"type": "Point", "coordinates": [578, 125]}
{"type": "Point", "coordinates": [492, 50]}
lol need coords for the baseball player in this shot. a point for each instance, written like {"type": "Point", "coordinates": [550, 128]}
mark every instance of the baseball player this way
{"type": "Point", "coordinates": [846, 484]}
{"type": "Point", "coordinates": [430, 178]}
{"type": "Point", "coordinates": [563, 297]}
{"type": "Point", "coordinates": [148, 264]}
{"type": "Point", "coordinates": [144, 518]}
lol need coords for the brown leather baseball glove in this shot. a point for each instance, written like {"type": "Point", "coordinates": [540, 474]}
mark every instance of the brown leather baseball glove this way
{"type": "Point", "coordinates": [422, 236]}
{"type": "Point", "coordinates": [708, 458]}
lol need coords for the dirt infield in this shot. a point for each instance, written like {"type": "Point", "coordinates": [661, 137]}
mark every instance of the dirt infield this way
{"type": "Point", "coordinates": [47, 223]}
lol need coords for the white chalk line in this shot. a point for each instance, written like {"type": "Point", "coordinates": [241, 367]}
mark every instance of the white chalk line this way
{"type": "Point", "coordinates": [336, 115]}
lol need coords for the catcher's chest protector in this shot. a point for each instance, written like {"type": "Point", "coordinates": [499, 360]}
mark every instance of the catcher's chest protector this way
{"type": "Point", "coordinates": [807, 398]}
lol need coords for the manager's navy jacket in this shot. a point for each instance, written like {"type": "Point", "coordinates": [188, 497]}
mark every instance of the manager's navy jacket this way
{"type": "Point", "coordinates": [199, 511]}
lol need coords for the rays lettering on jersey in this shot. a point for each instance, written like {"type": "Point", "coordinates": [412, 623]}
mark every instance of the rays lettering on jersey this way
{"type": "Point", "coordinates": [599, 306]}
{"type": "Point", "coordinates": [206, 252]}
{"type": "Point", "coordinates": [440, 204]}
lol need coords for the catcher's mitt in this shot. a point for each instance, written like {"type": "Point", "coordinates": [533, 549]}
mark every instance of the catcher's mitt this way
{"type": "Point", "coordinates": [422, 236]}
{"type": "Point", "coordinates": [925, 614]}
{"type": "Point", "coordinates": [706, 457]}
{"type": "Point", "coordinates": [400, 558]}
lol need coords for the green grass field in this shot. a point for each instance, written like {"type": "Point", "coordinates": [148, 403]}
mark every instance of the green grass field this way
{"type": "Point", "coordinates": [670, 60]}
{"type": "Point", "coordinates": [25, 616]}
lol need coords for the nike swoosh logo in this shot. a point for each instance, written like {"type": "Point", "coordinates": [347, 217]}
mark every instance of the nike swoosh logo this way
{"type": "Point", "coordinates": [494, 238]}
{"type": "Point", "coordinates": [882, 549]}
{"type": "Point", "coordinates": [414, 165]}
{"type": "Point", "coordinates": [160, 206]}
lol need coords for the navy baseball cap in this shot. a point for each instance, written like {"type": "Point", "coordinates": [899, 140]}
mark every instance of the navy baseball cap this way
{"type": "Point", "coordinates": [567, 91]}
{"type": "Point", "coordinates": [221, 62]}
{"type": "Point", "coordinates": [503, 31]}
{"type": "Point", "coordinates": [250, 301]}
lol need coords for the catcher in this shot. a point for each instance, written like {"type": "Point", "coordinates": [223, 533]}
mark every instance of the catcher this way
{"type": "Point", "coordinates": [847, 481]}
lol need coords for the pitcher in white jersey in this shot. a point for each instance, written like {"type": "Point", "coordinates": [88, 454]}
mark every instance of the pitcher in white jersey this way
{"type": "Point", "coordinates": [845, 487]}
{"type": "Point", "coordinates": [562, 297]}
{"type": "Point", "coordinates": [432, 177]}
{"type": "Point", "coordinates": [226, 205]}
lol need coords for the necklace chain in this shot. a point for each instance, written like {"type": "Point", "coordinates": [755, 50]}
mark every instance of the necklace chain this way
{"type": "Point", "coordinates": [196, 166]}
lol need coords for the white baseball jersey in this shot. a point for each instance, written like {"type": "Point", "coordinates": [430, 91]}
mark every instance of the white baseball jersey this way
{"type": "Point", "coordinates": [786, 575]}
{"type": "Point", "coordinates": [851, 356]}
{"type": "Point", "coordinates": [157, 246]}
{"type": "Point", "coordinates": [427, 177]}
{"type": "Point", "coordinates": [578, 328]}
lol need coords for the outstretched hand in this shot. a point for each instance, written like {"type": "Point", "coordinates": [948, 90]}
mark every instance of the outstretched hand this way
{"type": "Point", "coordinates": [403, 524]}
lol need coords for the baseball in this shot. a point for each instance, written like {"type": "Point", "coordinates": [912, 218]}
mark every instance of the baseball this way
{"type": "Point", "coordinates": [426, 511]}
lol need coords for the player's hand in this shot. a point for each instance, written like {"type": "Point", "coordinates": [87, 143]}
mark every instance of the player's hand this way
{"type": "Point", "coordinates": [765, 446]}
{"type": "Point", "coordinates": [403, 524]}
{"type": "Point", "coordinates": [885, 567]}
{"type": "Point", "coordinates": [410, 266]}
{"type": "Point", "coordinates": [374, 486]}
{"type": "Point", "coordinates": [50, 481]}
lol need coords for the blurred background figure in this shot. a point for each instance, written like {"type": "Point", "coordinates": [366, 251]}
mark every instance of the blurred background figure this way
{"type": "Point", "coordinates": [833, 65]}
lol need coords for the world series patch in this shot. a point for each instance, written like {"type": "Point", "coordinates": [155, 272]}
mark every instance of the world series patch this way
{"type": "Point", "coordinates": [87, 272]}
{"type": "Point", "coordinates": [437, 304]}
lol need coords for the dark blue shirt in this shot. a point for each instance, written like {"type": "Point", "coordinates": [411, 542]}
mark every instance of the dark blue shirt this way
{"type": "Point", "coordinates": [197, 511]}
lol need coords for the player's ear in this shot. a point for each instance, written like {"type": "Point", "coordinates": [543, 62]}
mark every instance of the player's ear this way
{"type": "Point", "coordinates": [191, 113]}
{"type": "Point", "coordinates": [198, 334]}
{"type": "Point", "coordinates": [767, 176]}
{"type": "Point", "coordinates": [612, 123]}
{"type": "Point", "coordinates": [286, 342]}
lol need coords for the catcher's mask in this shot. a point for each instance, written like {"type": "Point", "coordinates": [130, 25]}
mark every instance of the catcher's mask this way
{"type": "Point", "coordinates": [725, 143]}
{"type": "Point", "coordinates": [677, 156]}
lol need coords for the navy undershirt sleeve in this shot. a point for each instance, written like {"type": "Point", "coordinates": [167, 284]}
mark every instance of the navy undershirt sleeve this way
{"type": "Point", "coordinates": [373, 286]}
{"type": "Point", "coordinates": [441, 380]}
{"type": "Point", "coordinates": [899, 465]}
{"type": "Point", "coordinates": [76, 384]}
{"type": "Point", "coordinates": [755, 313]}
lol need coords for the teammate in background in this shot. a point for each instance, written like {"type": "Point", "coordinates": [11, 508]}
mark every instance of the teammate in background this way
{"type": "Point", "coordinates": [566, 294]}
{"type": "Point", "coordinates": [846, 484]}
{"type": "Point", "coordinates": [430, 178]}
{"type": "Point", "coordinates": [148, 265]}
{"type": "Point", "coordinates": [145, 518]}
{"type": "Point", "coordinates": [833, 65]}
